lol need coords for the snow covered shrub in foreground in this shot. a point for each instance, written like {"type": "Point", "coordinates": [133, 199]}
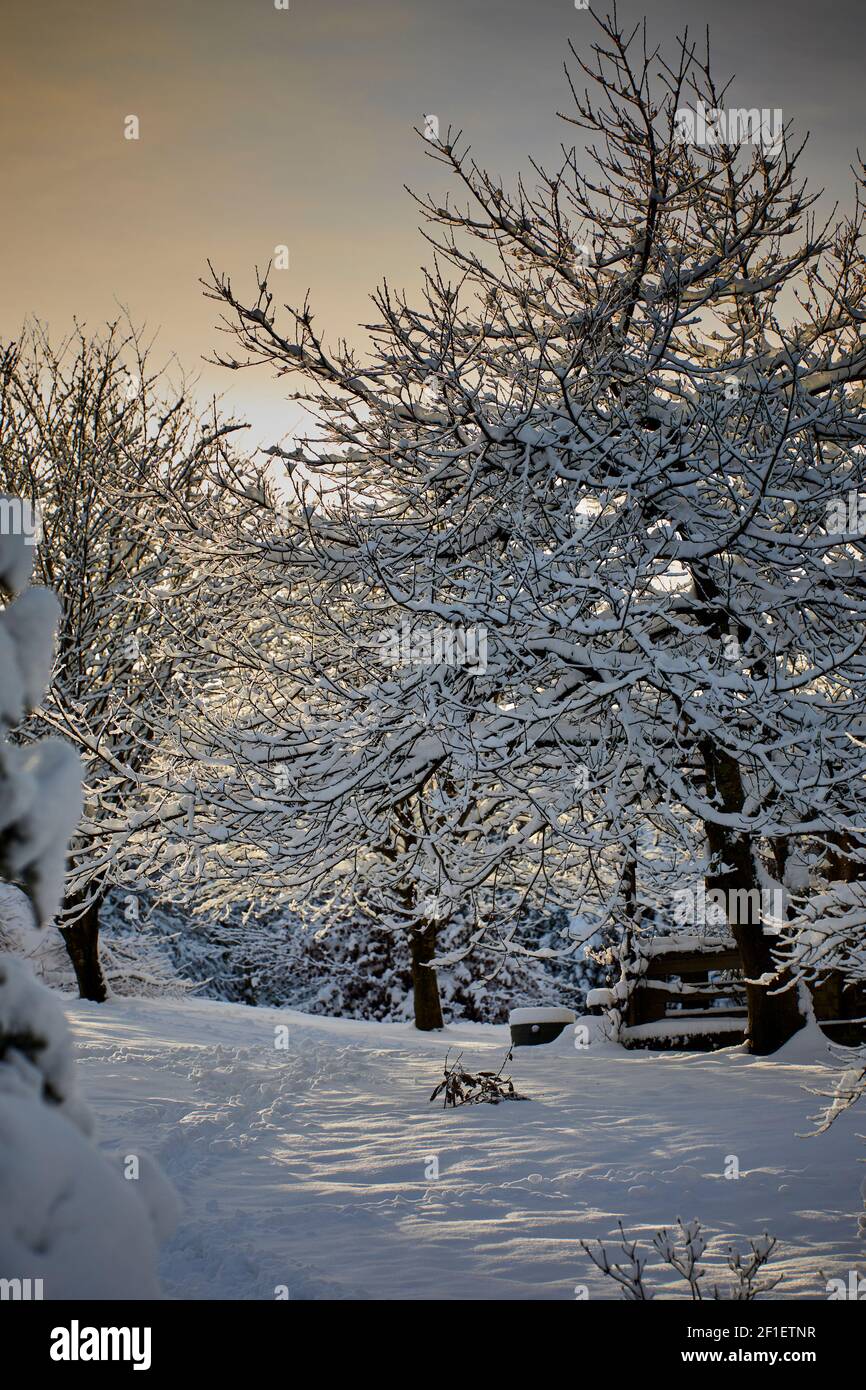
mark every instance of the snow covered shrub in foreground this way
{"type": "Point", "coordinates": [67, 1218]}
{"type": "Point", "coordinates": [681, 1250]}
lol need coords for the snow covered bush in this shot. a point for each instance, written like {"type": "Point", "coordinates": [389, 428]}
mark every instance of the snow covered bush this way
{"type": "Point", "coordinates": [349, 969]}
{"type": "Point", "coordinates": [680, 1250]}
{"type": "Point", "coordinates": [352, 969]}
{"type": "Point", "coordinates": [67, 1217]}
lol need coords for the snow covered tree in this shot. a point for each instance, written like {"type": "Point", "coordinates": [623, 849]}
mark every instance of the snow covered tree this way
{"type": "Point", "coordinates": [349, 763]}
{"type": "Point", "coordinates": [84, 428]}
{"type": "Point", "coordinates": [67, 1218]}
{"type": "Point", "coordinates": [613, 438]}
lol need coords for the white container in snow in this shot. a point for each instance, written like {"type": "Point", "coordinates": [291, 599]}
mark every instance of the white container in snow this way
{"type": "Point", "coordinates": [600, 999]}
{"type": "Point", "coordinates": [532, 1026]}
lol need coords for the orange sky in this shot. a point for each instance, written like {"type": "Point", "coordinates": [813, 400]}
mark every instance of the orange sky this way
{"type": "Point", "coordinates": [261, 127]}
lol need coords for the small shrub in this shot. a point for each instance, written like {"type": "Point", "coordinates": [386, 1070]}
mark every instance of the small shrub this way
{"type": "Point", "coordinates": [462, 1087]}
{"type": "Point", "coordinates": [681, 1250]}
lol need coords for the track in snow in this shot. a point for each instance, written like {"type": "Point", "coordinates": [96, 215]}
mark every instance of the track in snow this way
{"type": "Point", "coordinates": [306, 1167]}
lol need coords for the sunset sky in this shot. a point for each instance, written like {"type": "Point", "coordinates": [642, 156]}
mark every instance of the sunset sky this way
{"type": "Point", "coordinates": [261, 126]}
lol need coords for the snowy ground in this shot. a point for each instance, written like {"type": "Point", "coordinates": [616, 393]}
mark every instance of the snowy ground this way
{"type": "Point", "coordinates": [306, 1167]}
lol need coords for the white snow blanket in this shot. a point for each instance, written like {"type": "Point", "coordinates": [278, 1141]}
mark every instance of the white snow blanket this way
{"type": "Point", "coordinates": [311, 1164]}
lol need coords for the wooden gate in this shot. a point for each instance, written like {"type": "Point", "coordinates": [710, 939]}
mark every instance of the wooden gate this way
{"type": "Point", "coordinates": [689, 995]}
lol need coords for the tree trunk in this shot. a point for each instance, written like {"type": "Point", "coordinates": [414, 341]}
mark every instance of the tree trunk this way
{"type": "Point", "coordinates": [773, 1017]}
{"type": "Point", "coordinates": [425, 986]}
{"type": "Point", "coordinates": [840, 864]}
{"type": "Point", "coordinates": [82, 943]}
